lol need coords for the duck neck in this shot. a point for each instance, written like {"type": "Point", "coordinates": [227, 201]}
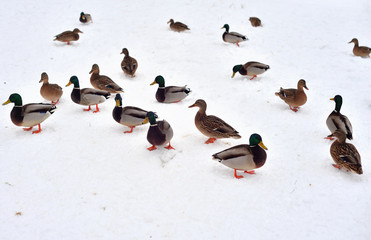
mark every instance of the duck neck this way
{"type": "Point", "coordinates": [338, 106]}
{"type": "Point", "coordinates": [76, 94]}
{"type": "Point", "coordinates": [201, 113]}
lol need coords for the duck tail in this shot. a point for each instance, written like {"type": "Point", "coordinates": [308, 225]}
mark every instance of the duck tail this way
{"type": "Point", "coordinates": [216, 158]}
{"type": "Point", "coordinates": [52, 109]}
{"type": "Point", "coordinates": [187, 90]}
{"type": "Point", "coordinates": [107, 95]}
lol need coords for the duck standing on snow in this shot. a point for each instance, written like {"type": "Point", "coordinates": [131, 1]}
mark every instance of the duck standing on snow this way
{"type": "Point", "coordinates": [159, 133]}
{"type": "Point", "coordinates": [360, 51]}
{"type": "Point", "coordinates": [87, 96]}
{"type": "Point", "coordinates": [294, 97]}
{"type": "Point", "coordinates": [50, 92]}
{"type": "Point", "coordinates": [85, 17]}
{"type": "Point", "coordinates": [177, 26]}
{"type": "Point", "coordinates": [345, 155]}
{"type": "Point", "coordinates": [244, 157]}
{"type": "Point", "coordinates": [250, 69]}
{"type": "Point", "coordinates": [212, 126]}
{"type": "Point", "coordinates": [255, 22]}
{"type": "Point", "coordinates": [129, 64]}
{"type": "Point", "coordinates": [338, 121]}
{"type": "Point", "coordinates": [29, 115]}
{"type": "Point", "coordinates": [170, 94]}
{"type": "Point", "coordinates": [68, 36]}
{"type": "Point", "coordinates": [232, 37]}
{"type": "Point", "coordinates": [129, 116]}
{"type": "Point", "coordinates": [102, 82]}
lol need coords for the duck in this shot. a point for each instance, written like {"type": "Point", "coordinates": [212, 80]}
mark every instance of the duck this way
{"type": "Point", "coordinates": [170, 94]}
{"type": "Point", "coordinates": [250, 69]}
{"type": "Point", "coordinates": [102, 82]}
{"type": "Point", "coordinates": [29, 115]}
{"type": "Point", "coordinates": [68, 36]}
{"type": "Point", "coordinates": [129, 116]}
{"type": "Point", "coordinates": [338, 121]}
{"type": "Point", "coordinates": [360, 51]}
{"type": "Point", "coordinates": [294, 97]}
{"type": "Point", "coordinates": [177, 26]}
{"type": "Point", "coordinates": [129, 64]}
{"type": "Point", "coordinates": [244, 157]}
{"type": "Point", "coordinates": [255, 22]}
{"type": "Point", "coordinates": [159, 132]}
{"type": "Point", "coordinates": [85, 17]}
{"type": "Point", "coordinates": [345, 155]}
{"type": "Point", "coordinates": [50, 92]}
{"type": "Point", "coordinates": [212, 126]}
{"type": "Point", "coordinates": [87, 96]}
{"type": "Point", "coordinates": [233, 37]}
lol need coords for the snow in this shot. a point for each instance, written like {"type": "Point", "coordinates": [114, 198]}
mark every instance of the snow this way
{"type": "Point", "coordinates": [83, 178]}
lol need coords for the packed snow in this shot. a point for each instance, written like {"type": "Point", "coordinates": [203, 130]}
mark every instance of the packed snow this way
{"type": "Point", "coordinates": [83, 178]}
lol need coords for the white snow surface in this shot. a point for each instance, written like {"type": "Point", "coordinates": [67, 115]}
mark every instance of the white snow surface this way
{"type": "Point", "coordinates": [83, 178]}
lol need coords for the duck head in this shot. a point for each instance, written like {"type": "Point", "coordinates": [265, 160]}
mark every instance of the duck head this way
{"type": "Point", "coordinates": [14, 98]}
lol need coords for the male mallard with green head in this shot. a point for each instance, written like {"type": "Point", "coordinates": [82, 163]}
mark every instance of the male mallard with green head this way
{"type": "Point", "coordinates": [103, 82]}
{"type": "Point", "coordinates": [244, 157]}
{"type": "Point", "coordinates": [50, 92]}
{"type": "Point", "coordinates": [294, 97]}
{"type": "Point", "coordinates": [68, 36]}
{"type": "Point", "coordinates": [87, 96]}
{"type": "Point", "coordinates": [250, 69]}
{"type": "Point", "coordinates": [338, 121]}
{"type": "Point", "coordinates": [170, 94]}
{"type": "Point", "coordinates": [232, 37]}
{"type": "Point", "coordinates": [29, 115]}
{"type": "Point", "coordinates": [212, 126]}
{"type": "Point", "coordinates": [159, 132]}
{"type": "Point", "coordinates": [345, 155]}
{"type": "Point", "coordinates": [85, 17]}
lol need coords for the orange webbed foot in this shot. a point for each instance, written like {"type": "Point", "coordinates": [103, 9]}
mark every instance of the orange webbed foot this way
{"type": "Point", "coordinates": [210, 140]}
{"type": "Point", "coordinates": [152, 148]}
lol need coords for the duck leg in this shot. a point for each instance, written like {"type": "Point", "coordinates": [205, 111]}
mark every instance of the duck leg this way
{"type": "Point", "coordinates": [295, 109]}
{"type": "Point", "coordinates": [131, 130]}
{"type": "Point", "coordinates": [37, 131]}
{"type": "Point", "coordinates": [253, 77]}
{"type": "Point", "coordinates": [169, 147]}
{"type": "Point", "coordinates": [336, 166]}
{"type": "Point", "coordinates": [329, 137]}
{"type": "Point", "coordinates": [55, 103]}
{"type": "Point", "coordinates": [96, 108]}
{"type": "Point", "coordinates": [27, 129]}
{"type": "Point", "coordinates": [237, 44]}
{"type": "Point", "coordinates": [152, 148]}
{"type": "Point", "coordinates": [250, 172]}
{"type": "Point", "coordinates": [88, 109]}
{"type": "Point", "coordinates": [237, 176]}
{"type": "Point", "coordinates": [210, 140]}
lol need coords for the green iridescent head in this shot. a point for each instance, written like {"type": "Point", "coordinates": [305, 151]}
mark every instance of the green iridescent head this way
{"type": "Point", "coordinates": [226, 26]}
{"type": "Point", "coordinates": [75, 81]}
{"type": "Point", "coordinates": [159, 80]}
{"type": "Point", "coordinates": [256, 139]}
{"type": "Point", "coordinates": [151, 117]}
{"type": "Point", "coordinates": [338, 102]}
{"type": "Point", "coordinates": [14, 98]}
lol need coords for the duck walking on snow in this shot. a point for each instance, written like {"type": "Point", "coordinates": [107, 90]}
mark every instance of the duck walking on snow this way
{"type": "Point", "coordinates": [102, 82]}
{"type": "Point", "coordinates": [129, 64]}
{"type": "Point", "coordinates": [159, 132]}
{"type": "Point", "coordinates": [294, 97]}
{"type": "Point", "coordinates": [177, 26]}
{"type": "Point", "coordinates": [129, 116]}
{"type": "Point", "coordinates": [50, 92]}
{"type": "Point", "coordinates": [87, 96]}
{"type": "Point", "coordinates": [360, 51]}
{"type": "Point", "coordinates": [212, 126]}
{"type": "Point", "coordinates": [345, 155]}
{"type": "Point", "coordinates": [232, 37]}
{"type": "Point", "coordinates": [250, 69]}
{"type": "Point", "coordinates": [338, 121]}
{"type": "Point", "coordinates": [68, 36]}
{"type": "Point", "coordinates": [29, 115]}
{"type": "Point", "coordinates": [244, 157]}
{"type": "Point", "coordinates": [170, 94]}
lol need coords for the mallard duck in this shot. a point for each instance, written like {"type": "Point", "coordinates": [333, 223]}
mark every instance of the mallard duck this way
{"type": "Point", "coordinates": [255, 22]}
{"type": "Point", "coordinates": [232, 37]}
{"type": "Point", "coordinates": [177, 26]}
{"type": "Point", "coordinates": [345, 155]}
{"type": "Point", "coordinates": [159, 133]}
{"type": "Point", "coordinates": [212, 126]}
{"type": "Point", "coordinates": [68, 36]}
{"type": "Point", "coordinates": [250, 69]}
{"type": "Point", "coordinates": [29, 115]}
{"type": "Point", "coordinates": [102, 82]}
{"type": "Point", "coordinates": [85, 17]}
{"type": "Point", "coordinates": [338, 121]}
{"type": "Point", "coordinates": [87, 96]}
{"type": "Point", "coordinates": [360, 51]}
{"type": "Point", "coordinates": [129, 64]}
{"type": "Point", "coordinates": [294, 97]}
{"type": "Point", "coordinates": [244, 157]}
{"type": "Point", "coordinates": [170, 94]}
{"type": "Point", "coordinates": [128, 116]}
{"type": "Point", "coordinates": [51, 92]}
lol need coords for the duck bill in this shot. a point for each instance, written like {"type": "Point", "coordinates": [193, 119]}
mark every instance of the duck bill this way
{"type": "Point", "coordinates": [261, 144]}
{"type": "Point", "coordinates": [154, 82]}
{"type": "Point", "coordinates": [168, 22]}
{"type": "Point", "coordinates": [146, 120]}
{"type": "Point", "coordinates": [306, 87]}
{"type": "Point", "coordinates": [193, 105]}
{"type": "Point", "coordinates": [41, 81]}
{"type": "Point", "coordinates": [69, 83]}
{"type": "Point", "coordinates": [233, 74]}
{"type": "Point", "coordinates": [332, 99]}
{"type": "Point", "coordinates": [91, 71]}
{"type": "Point", "coordinates": [7, 102]}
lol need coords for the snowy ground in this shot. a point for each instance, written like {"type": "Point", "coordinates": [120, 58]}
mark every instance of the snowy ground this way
{"type": "Point", "coordinates": [82, 178]}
